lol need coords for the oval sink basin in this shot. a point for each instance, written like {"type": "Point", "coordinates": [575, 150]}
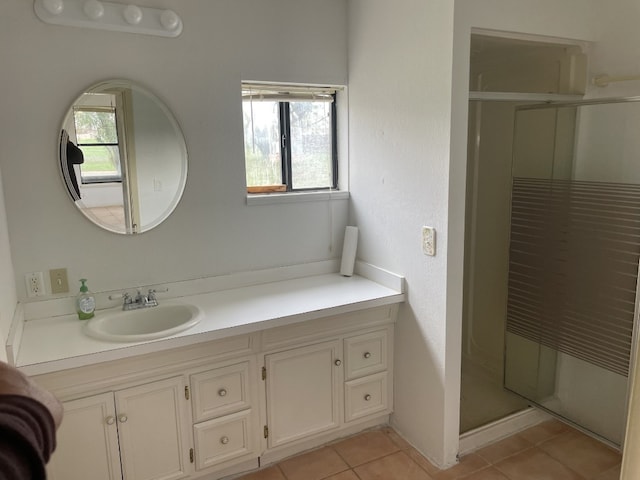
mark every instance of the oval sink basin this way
{"type": "Point", "coordinates": [143, 324]}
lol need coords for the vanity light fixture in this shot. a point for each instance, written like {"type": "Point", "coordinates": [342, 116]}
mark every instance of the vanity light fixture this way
{"type": "Point", "coordinates": [93, 9]}
{"type": "Point", "coordinates": [132, 14]}
{"type": "Point", "coordinates": [109, 16]}
{"type": "Point", "coordinates": [54, 7]}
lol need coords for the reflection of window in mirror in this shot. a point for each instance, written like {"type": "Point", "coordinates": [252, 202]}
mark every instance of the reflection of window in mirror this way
{"type": "Point", "coordinates": [98, 139]}
{"type": "Point", "coordinates": [100, 121]}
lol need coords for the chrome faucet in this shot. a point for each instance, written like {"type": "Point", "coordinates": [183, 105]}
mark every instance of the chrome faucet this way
{"type": "Point", "coordinates": [140, 301]}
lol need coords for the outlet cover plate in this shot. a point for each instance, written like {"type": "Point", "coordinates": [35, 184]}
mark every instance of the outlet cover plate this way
{"type": "Point", "coordinates": [35, 284]}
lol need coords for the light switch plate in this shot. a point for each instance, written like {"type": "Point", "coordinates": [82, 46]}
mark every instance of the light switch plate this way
{"type": "Point", "coordinates": [59, 280]}
{"type": "Point", "coordinates": [429, 241]}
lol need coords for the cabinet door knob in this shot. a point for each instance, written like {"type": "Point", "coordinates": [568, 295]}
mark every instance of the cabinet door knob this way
{"type": "Point", "coordinates": [367, 355]}
{"type": "Point", "coordinates": [123, 418]}
{"type": "Point", "coordinates": [338, 362]}
{"type": "Point", "coordinates": [110, 420]}
{"type": "Point", "coordinates": [222, 392]}
{"type": "Point", "coordinates": [224, 440]}
{"type": "Point", "coordinates": [367, 397]}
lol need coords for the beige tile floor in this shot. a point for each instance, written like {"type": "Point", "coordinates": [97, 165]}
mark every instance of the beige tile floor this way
{"type": "Point", "coordinates": [548, 451]}
{"type": "Point", "coordinates": [112, 216]}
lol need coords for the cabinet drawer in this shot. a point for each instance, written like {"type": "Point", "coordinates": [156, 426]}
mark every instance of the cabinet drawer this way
{"type": "Point", "coordinates": [222, 439]}
{"type": "Point", "coordinates": [220, 391]}
{"type": "Point", "coordinates": [365, 396]}
{"type": "Point", "coordinates": [365, 354]}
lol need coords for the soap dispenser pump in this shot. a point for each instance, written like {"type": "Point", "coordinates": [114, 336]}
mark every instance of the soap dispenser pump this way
{"type": "Point", "coordinates": [85, 303]}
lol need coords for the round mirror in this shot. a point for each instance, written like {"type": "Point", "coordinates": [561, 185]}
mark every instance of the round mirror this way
{"type": "Point", "coordinates": [123, 157]}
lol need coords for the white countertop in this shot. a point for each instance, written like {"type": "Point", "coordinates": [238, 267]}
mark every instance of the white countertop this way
{"type": "Point", "coordinates": [58, 343]}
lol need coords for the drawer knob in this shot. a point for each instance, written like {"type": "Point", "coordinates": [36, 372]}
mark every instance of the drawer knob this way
{"type": "Point", "coordinates": [123, 418]}
{"type": "Point", "coordinates": [224, 440]}
{"type": "Point", "coordinates": [367, 397]}
{"type": "Point", "coordinates": [222, 392]}
{"type": "Point", "coordinates": [367, 355]}
{"type": "Point", "coordinates": [338, 362]}
{"type": "Point", "coordinates": [110, 420]}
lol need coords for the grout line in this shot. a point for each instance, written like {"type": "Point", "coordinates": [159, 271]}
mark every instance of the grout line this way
{"type": "Point", "coordinates": [277, 465]}
{"type": "Point", "coordinates": [338, 453]}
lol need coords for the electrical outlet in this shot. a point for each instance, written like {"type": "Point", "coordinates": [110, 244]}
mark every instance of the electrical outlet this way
{"type": "Point", "coordinates": [59, 280]}
{"type": "Point", "coordinates": [35, 284]}
{"type": "Point", "coordinates": [429, 241]}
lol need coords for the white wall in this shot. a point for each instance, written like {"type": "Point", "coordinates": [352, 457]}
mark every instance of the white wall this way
{"type": "Point", "coordinates": [399, 98]}
{"type": "Point", "coordinates": [7, 285]}
{"type": "Point", "coordinates": [198, 76]}
{"type": "Point", "coordinates": [616, 51]}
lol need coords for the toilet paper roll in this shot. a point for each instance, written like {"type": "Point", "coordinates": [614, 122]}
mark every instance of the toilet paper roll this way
{"type": "Point", "coordinates": [349, 251]}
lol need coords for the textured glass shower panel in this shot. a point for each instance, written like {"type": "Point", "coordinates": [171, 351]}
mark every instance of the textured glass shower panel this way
{"type": "Point", "coordinates": [573, 261]}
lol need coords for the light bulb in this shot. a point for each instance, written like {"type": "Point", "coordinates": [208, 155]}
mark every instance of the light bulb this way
{"type": "Point", "coordinates": [93, 9]}
{"type": "Point", "coordinates": [169, 20]}
{"type": "Point", "coordinates": [54, 7]}
{"type": "Point", "coordinates": [132, 14]}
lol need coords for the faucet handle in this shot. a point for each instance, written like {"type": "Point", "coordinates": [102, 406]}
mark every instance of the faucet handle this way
{"type": "Point", "coordinates": [153, 291]}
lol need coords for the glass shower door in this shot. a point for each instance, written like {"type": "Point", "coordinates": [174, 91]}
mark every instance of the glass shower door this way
{"type": "Point", "coordinates": [573, 260]}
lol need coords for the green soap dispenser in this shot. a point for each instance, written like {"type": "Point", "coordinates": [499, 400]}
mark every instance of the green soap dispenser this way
{"type": "Point", "coordinates": [85, 303]}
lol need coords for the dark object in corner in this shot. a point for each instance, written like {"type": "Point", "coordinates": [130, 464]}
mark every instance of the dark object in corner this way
{"type": "Point", "coordinates": [70, 155]}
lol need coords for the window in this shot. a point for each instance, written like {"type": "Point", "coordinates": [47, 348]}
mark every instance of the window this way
{"type": "Point", "coordinates": [289, 138]}
{"type": "Point", "coordinates": [97, 137]}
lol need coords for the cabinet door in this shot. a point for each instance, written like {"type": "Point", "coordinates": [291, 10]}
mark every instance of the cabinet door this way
{"type": "Point", "coordinates": [151, 428]}
{"type": "Point", "coordinates": [87, 441]}
{"type": "Point", "coordinates": [303, 392]}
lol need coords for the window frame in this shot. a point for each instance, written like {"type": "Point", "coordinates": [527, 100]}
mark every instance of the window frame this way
{"type": "Point", "coordinates": [283, 96]}
{"type": "Point", "coordinates": [97, 180]}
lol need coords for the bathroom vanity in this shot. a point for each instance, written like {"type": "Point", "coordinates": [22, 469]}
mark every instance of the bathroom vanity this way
{"type": "Point", "coordinates": [312, 361]}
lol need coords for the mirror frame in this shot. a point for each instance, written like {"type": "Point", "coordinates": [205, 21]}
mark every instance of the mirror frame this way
{"type": "Point", "coordinates": [130, 227]}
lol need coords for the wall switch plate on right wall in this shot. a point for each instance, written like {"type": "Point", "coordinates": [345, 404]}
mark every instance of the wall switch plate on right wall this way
{"type": "Point", "coordinates": [429, 241]}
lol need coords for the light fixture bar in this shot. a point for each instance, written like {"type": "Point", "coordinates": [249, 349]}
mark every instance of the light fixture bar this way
{"type": "Point", "coordinates": [117, 17]}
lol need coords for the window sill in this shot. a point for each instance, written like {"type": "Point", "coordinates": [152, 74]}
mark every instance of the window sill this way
{"type": "Point", "coordinates": [296, 197]}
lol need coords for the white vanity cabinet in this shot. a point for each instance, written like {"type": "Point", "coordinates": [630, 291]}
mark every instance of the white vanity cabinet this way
{"type": "Point", "coordinates": [87, 441]}
{"type": "Point", "coordinates": [303, 392]}
{"type": "Point", "coordinates": [367, 390]}
{"type": "Point", "coordinates": [224, 415]}
{"type": "Point", "coordinates": [140, 428]}
{"type": "Point", "coordinates": [327, 379]}
{"type": "Point", "coordinates": [226, 406]}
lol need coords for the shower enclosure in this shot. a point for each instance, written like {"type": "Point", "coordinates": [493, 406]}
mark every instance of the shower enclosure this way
{"type": "Point", "coordinates": [504, 73]}
{"type": "Point", "coordinates": [552, 241]}
{"type": "Point", "coordinates": [573, 260]}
